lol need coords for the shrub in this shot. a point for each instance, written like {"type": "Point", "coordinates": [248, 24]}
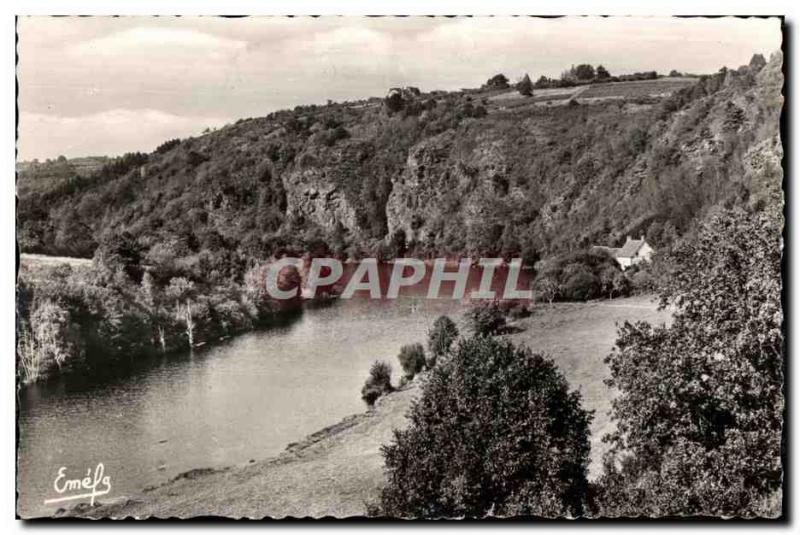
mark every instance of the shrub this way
{"type": "Point", "coordinates": [370, 393]}
{"type": "Point", "coordinates": [637, 141]}
{"type": "Point", "coordinates": [194, 158]}
{"type": "Point", "coordinates": [525, 86]}
{"type": "Point", "coordinates": [440, 338]}
{"type": "Point", "coordinates": [581, 286]}
{"type": "Point", "coordinates": [495, 431]}
{"type": "Point", "coordinates": [580, 276]}
{"type": "Point", "coordinates": [517, 311]}
{"type": "Point", "coordinates": [330, 137]}
{"type": "Point", "coordinates": [486, 318]}
{"type": "Point", "coordinates": [378, 383]}
{"type": "Point", "coordinates": [412, 359]}
{"type": "Point", "coordinates": [498, 81]}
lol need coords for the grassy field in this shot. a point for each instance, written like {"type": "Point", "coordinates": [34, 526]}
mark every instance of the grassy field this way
{"type": "Point", "coordinates": [33, 267]}
{"type": "Point", "coordinates": [578, 336]}
{"type": "Point", "coordinates": [338, 470]}
{"type": "Point", "coordinates": [642, 88]}
{"type": "Point", "coordinates": [591, 93]}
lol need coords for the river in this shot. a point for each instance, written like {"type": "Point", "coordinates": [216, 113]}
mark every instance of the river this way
{"type": "Point", "coordinates": [244, 398]}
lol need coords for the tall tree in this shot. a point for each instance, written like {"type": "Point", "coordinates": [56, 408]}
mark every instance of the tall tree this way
{"type": "Point", "coordinates": [584, 72]}
{"type": "Point", "coordinates": [525, 86]}
{"type": "Point", "coordinates": [182, 293]}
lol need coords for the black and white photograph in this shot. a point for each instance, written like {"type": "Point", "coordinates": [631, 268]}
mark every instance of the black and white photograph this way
{"type": "Point", "coordinates": [385, 268]}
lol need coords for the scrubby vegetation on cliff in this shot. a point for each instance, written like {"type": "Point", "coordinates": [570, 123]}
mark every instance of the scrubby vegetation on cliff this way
{"type": "Point", "coordinates": [455, 173]}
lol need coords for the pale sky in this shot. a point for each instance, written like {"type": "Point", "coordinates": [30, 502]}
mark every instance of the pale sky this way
{"type": "Point", "coordinates": [105, 86]}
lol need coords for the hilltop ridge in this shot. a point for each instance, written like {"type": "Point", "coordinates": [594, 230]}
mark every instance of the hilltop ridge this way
{"type": "Point", "coordinates": [480, 172]}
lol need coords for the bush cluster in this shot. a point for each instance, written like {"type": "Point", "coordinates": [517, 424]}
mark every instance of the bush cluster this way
{"type": "Point", "coordinates": [580, 276]}
{"type": "Point", "coordinates": [459, 456]}
{"type": "Point", "coordinates": [378, 383]}
{"type": "Point", "coordinates": [412, 360]}
{"type": "Point", "coordinates": [486, 318]}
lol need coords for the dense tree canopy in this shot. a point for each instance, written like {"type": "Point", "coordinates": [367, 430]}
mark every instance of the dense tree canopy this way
{"type": "Point", "coordinates": [700, 409]}
{"type": "Point", "coordinates": [496, 431]}
{"type": "Point", "coordinates": [498, 81]}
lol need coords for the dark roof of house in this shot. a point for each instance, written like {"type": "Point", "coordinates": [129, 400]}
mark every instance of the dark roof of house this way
{"type": "Point", "coordinates": [630, 248]}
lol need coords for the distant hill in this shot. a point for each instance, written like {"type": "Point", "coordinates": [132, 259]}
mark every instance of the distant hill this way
{"type": "Point", "coordinates": [433, 173]}
{"type": "Point", "coordinates": [35, 176]}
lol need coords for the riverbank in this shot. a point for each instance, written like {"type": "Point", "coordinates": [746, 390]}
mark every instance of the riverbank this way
{"type": "Point", "coordinates": [339, 470]}
{"type": "Point", "coordinates": [91, 318]}
{"type": "Point", "coordinates": [336, 472]}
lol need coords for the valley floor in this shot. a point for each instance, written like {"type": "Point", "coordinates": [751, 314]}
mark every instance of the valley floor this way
{"type": "Point", "coordinates": [339, 470]}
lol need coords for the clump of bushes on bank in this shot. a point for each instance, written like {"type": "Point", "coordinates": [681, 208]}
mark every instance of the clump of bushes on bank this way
{"type": "Point", "coordinates": [486, 318]}
{"type": "Point", "coordinates": [458, 458]}
{"type": "Point", "coordinates": [413, 360]}
{"type": "Point", "coordinates": [378, 383]}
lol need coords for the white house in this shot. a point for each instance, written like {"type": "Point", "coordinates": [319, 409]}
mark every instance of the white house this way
{"type": "Point", "coordinates": [630, 254]}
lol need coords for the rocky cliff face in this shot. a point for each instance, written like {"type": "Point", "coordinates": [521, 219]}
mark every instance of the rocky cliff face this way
{"type": "Point", "coordinates": [310, 194]}
{"type": "Point", "coordinates": [595, 173]}
{"type": "Point", "coordinates": [456, 173]}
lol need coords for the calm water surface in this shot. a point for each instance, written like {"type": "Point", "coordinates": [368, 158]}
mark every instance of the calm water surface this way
{"type": "Point", "coordinates": [243, 399]}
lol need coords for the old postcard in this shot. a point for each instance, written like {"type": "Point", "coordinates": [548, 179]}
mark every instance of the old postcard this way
{"type": "Point", "coordinates": [400, 267]}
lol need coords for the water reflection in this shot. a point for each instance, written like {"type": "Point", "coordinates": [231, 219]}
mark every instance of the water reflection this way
{"type": "Point", "coordinates": [245, 398]}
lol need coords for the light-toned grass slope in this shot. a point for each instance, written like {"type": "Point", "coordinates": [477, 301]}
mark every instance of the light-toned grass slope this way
{"type": "Point", "coordinates": [578, 336]}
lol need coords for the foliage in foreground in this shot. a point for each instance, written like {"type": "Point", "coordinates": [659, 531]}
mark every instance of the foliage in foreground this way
{"type": "Point", "coordinates": [700, 407]}
{"type": "Point", "coordinates": [496, 431]}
